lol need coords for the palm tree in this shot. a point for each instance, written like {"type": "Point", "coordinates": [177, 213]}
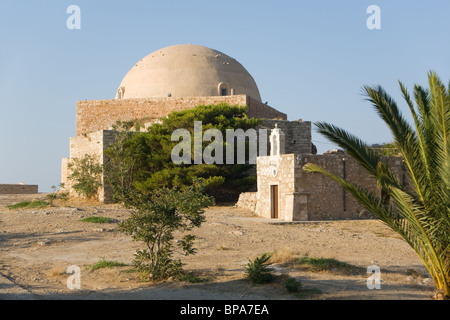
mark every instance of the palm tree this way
{"type": "Point", "coordinates": [419, 211]}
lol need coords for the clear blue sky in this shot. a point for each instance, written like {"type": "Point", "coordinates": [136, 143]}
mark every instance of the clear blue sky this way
{"type": "Point", "coordinates": [308, 58]}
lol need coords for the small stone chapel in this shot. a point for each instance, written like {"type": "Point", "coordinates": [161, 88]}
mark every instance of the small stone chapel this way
{"type": "Point", "coordinates": [287, 192]}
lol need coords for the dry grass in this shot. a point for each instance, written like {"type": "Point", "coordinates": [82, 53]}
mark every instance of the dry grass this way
{"type": "Point", "coordinates": [76, 201]}
{"type": "Point", "coordinates": [57, 271]}
{"type": "Point", "coordinates": [285, 256]}
{"type": "Point", "coordinates": [294, 259]}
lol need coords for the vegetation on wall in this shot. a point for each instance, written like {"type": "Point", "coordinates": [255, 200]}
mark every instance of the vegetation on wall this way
{"type": "Point", "coordinates": [86, 175]}
{"type": "Point", "coordinates": [143, 161]}
{"type": "Point", "coordinates": [386, 149]}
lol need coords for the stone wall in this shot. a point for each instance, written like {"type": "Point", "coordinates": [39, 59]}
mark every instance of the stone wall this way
{"type": "Point", "coordinates": [274, 170]}
{"type": "Point", "coordinates": [95, 118]}
{"type": "Point", "coordinates": [247, 200]}
{"type": "Point", "coordinates": [93, 143]}
{"type": "Point", "coordinates": [307, 196]}
{"type": "Point", "coordinates": [95, 115]}
{"type": "Point", "coordinates": [257, 109]}
{"type": "Point", "coordinates": [326, 199]}
{"type": "Point", "coordinates": [65, 183]}
{"type": "Point", "coordinates": [297, 134]}
{"type": "Point", "coordinates": [18, 189]}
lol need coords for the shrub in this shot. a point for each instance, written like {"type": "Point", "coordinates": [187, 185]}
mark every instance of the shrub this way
{"type": "Point", "coordinates": [34, 204]}
{"type": "Point", "coordinates": [51, 197]}
{"type": "Point", "coordinates": [86, 173]}
{"type": "Point", "coordinates": [292, 285]}
{"type": "Point", "coordinates": [63, 196]}
{"type": "Point", "coordinates": [154, 219]}
{"type": "Point", "coordinates": [327, 264]}
{"type": "Point", "coordinates": [142, 160]}
{"type": "Point", "coordinates": [191, 278]}
{"type": "Point", "coordinates": [96, 219]}
{"type": "Point", "coordinates": [120, 163]}
{"type": "Point", "coordinates": [258, 270]}
{"type": "Point", "coordinates": [102, 263]}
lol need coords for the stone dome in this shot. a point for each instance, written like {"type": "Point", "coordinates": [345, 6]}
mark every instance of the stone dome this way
{"type": "Point", "coordinates": [187, 71]}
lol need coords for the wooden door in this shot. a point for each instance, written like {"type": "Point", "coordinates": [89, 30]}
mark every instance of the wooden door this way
{"type": "Point", "coordinates": [274, 201]}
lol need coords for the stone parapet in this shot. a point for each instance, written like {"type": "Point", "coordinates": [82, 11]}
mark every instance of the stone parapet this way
{"type": "Point", "coordinates": [95, 115]}
{"type": "Point", "coordinates": [18, 189]}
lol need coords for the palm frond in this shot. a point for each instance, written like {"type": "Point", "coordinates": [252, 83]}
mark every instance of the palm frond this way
{"type": "Point", "coordinates": [420, 213]}
{"type": "Point", "coordinates": [354, 146]}
{"type": "Point", "coordinates": [405, 217]}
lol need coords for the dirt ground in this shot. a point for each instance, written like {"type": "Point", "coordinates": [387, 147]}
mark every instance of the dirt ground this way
{"type": "Point", "coordinates": [38, 245]}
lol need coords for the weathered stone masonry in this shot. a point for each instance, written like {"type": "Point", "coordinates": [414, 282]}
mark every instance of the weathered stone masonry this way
{"type": "Point", "coordinates": [18, 189]}
{"type": "Point", "coordinates": [298, 134]}
{"type": "Point", "coordinates": [93, 143]}
{"type": "Point", "coordinates": [94, 115]}
{"type": "Point", "coordinates": [95, 118]}
{"type": "Point", "coordinates": [182, 77]}
{"type": "Point", "coordinates": [304, 196]}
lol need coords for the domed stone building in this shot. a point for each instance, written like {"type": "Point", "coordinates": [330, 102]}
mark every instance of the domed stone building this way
{"type": "Point", "coordinates": [187, 71]}
{"type": "Point", "coordinates": [175, 78]}
{"type": "Point", "coordinates": [181, 77]}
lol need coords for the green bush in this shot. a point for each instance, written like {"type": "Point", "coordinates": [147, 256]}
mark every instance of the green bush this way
{"type": "Point", "coordinates": [102, 263]}
{"type": "Point", "coordinates": [191, 278]}
{"type": "Point", "coordinates": [96, 219]}
{"type": "Point", "coordinates": [86, 173]}
{"type": "Point", "coordinates": [258, 271]}
{"type": "Point", "coordinates": [34, 204]}
{"type": "Point", "coordinates": [155, 219]}
{"type": "Point", "coordinates": [292, 285]}
{"type": "Point", "coordinates": [326, 264]}
{"type": "Point", "coordinates": [63, 196]}
{"type": "Point", "coordinates": [142, 160]}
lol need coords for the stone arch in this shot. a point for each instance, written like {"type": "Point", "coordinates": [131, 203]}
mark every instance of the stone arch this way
{"type": "Point", "coordinates": [223, 89]}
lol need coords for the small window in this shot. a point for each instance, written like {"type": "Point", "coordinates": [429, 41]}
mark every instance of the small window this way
{"type": "Point", "coordinates": [222, 89]}
{"type": "Point", "coordinates": [120, 92]}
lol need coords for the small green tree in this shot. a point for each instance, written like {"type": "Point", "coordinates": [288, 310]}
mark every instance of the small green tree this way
{"type": "Point", "coordinates": [258, 271]}
{"type": "Point", "coordinates": [52, 196]}
{"type": "Point", "coordinates": [63, 196]}
{"type": "Point", "coordinates": [386, 149]}
{"type": "Point", "coordinates": [155, 218]}
{"type": "Point", "coordinates": [86, 173]}
{"type": "Point", "coordinates": [120, 163]}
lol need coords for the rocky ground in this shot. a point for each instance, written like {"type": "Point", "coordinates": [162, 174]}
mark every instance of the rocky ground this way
{"type": "Point", "coordinates": [38, 245]}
